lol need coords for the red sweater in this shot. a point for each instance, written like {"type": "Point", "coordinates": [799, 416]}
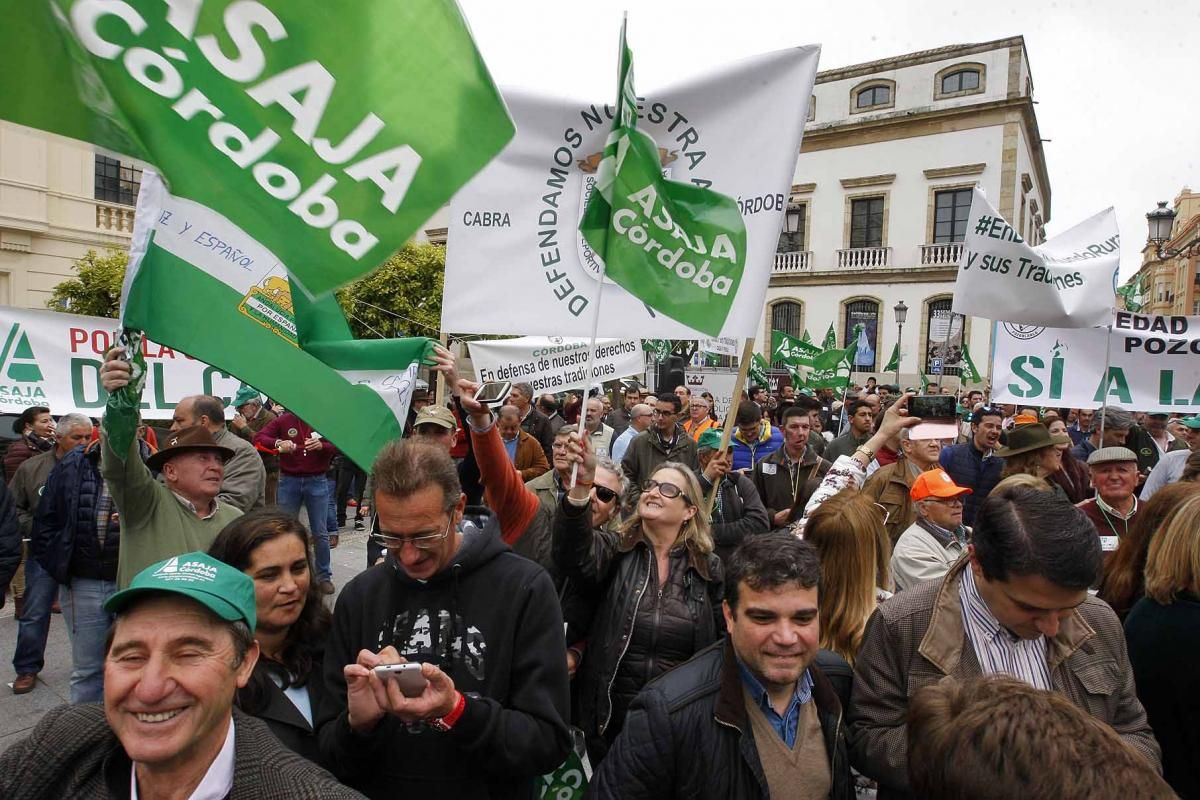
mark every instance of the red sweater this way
{"type": "Point", "coordinates": [503, 489]}
{"type": "Point", "coordinates": [291, 428]}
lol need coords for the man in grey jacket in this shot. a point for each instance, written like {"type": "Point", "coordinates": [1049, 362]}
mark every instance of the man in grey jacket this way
{"type": "Point", "coordinates": [1017, 604]}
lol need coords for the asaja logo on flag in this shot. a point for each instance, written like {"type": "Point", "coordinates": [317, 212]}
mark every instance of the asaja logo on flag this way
{"type": "Point", "coordinates": [17, 357]}
{"type": "Point", "coordinates": [270, 305]}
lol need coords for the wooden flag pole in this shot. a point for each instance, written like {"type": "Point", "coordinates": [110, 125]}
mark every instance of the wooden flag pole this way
{"type": "Point", "coordinates": [734, 401]}
{"type": "Point", "coordinates": [440, 393]}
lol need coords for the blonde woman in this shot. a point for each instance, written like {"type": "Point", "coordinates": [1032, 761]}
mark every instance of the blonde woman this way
{"type": "Point", "coordinates": [849, 533]}
{"type": "Point", "coordinates": [1163, 636]}
{"type": "Point", "coordinates": [656, 585]}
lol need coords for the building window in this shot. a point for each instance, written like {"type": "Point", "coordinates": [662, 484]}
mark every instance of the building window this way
{"type": "Point", "coordinates": [786, 316]}
{"type": "Point", "coordinates": [873, 96]}
{"type": "Point", "coordinates": [943, 338]}
{"type": "Point", "coordinates": [964, 80]}
{"type": "Point", "coordinates": [866, 222]}
{"type": "Point", "coordinates": [117, 182]}
{"type": "Point", "coordinates": [951, 210]}
{"type": "Point", "coordinates": [794, 242]}
{"type": "Point", "coordinates": [866, 340]}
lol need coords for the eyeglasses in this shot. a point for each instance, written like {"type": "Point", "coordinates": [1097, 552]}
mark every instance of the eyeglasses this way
{"type": "Point", "coordinates": [658, 412]}
{"type": "Point", "coordinates": [886, 514]}
{"type": "Point", "coordinates": [667, 490]}
{"type": "Point", "coordinates": [945, 501]}
{"type": "Point", "coordinates": [604, 494]}
{"type": "Point", "coordinates": [427, 541]}
{"type": "Point", "coordinates": [559, 446]}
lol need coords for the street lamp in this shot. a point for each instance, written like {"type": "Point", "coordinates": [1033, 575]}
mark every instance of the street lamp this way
{"type": "Point", "coordinates": [791, 219]}
{"type": "Point", "coordinates": [1160, 221]}
{"type": "Point", "coordinates": [901, 312]}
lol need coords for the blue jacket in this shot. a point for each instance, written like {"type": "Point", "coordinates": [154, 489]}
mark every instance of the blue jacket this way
{"type": "Point", "coordinates": [64, 526]}
{"type": "Point", "coordinates": [967, 466]}
{"type": "Point", "coordinates": [745, 456]}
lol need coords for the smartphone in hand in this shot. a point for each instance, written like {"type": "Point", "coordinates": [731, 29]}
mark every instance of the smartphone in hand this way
{"type": "Point", "coordinates": [407, 676]}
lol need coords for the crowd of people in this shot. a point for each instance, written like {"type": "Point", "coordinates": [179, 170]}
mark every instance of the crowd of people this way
{"type": "Point", "coordinates": [839, 601]}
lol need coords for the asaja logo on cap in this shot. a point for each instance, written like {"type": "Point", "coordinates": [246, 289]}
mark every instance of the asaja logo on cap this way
{"type": "Point", "coordinates": [292, 432]}
{"type": "Point", "coordinates": [188, 571]}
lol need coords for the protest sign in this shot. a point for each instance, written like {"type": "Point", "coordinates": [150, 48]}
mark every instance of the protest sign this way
{"type": "Point", "coordinates": [717, 382]}
{"type": "Point", "coordinates": [53, 360]}
{"type": "Point", "coordinates": [554, 364]}
{"type": "Point", "coordinates": [1155, 364]}
{"type": "Point", "coordinates": [725, 346]}
{"type": "Point", "coordinates": [304, 130]}
{"type": "Point", "coordinates": [1069, 281]}
{"type": "Point", "coordinates": [243, 317]}
{"type": "Point", "coordinates": [514, 229]}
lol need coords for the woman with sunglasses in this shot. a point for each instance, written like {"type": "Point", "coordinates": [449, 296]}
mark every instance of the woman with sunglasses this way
{"type": "Point", "coordinates": [285, 687]}
{"type": "Point", "coordinates": [657, 585]}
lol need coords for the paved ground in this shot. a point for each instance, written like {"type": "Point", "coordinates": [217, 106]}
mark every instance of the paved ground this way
{"type": "Point", "coordinates": [19, 713]}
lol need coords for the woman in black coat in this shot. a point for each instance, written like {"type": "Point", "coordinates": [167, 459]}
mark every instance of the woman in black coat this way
{"type": "Point", "coordinates": [285, 688]}
{"type": "Point", "coordinates": [1163, 635]}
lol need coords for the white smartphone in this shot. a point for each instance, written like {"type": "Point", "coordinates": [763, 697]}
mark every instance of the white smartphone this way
{"type": "Point", "coordinates": [407, 676]}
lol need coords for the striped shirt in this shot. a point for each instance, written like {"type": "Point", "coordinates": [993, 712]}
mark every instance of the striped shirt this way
{"type": "Point", "coordinates": [998, 650]}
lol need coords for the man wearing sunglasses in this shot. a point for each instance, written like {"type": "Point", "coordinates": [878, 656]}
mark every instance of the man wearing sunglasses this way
{"type": "Point", "coordinates": [483, 622]}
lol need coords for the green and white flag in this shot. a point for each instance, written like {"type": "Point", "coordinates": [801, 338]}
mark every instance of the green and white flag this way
{"type": "Point", "coordinates": [830, 341]}
{"type": "Point", "coordinates": [1133, 293]}
{"type": "Point", "coordinates": [791, 350]}
{"type": "Point", "coordinates": [659, 348]}
{"type": "Point", "coordinates": [243, 318]}
{"type": "Point", "coordinates": [677, 247]}
{"type": "Point", "coordinates": [757, 374]}
{"type": "Point", "coordinates": [806, 338]}
{"type": "Point", "coordinates": [831, 369]}
{"type": "Point", "coordinates": [893, 362]}
{"type": "Point", "coordinates": [330, 132]}
{"type": "Point", "coordinates": [924, 383]}
{"type": "Point", "coordinates": [967, 372]}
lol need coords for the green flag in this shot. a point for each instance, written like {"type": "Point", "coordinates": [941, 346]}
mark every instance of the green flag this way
{"type": "Point", "coordinates": [831, 369]}
{"type": "Point", "coordinates": [677, 247]}
{"type": "Point", "coordinates": [967, 371]}
{"type": "Point", "coordinates": [924, 383]}
{"type": "Point", "coordinates": [757, 374]}
{"type": "Point", "coordinates": [1133, 293]}
{"type": "Point", "coordinates": [330, 134]}
{"type": "Point", "coordinates": [791, 350]}
{"type": "Point", "coordinates": [806, 338]}
{"type": "Point", "coordinates": [830, 341]}
{"type": "Point", "coordinates": [254, 327]}
{"type": "Point", "coordinates": [659, 348]}
{"type": "Point", "coordinates": [894, 362]}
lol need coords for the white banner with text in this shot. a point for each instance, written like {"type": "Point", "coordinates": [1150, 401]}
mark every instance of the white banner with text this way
{"type": "Point", "coordinates": [554, 364]}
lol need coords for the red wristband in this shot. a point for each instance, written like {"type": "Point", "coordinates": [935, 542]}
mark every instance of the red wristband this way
{"type": "Point", "coordinates": [447, 722]}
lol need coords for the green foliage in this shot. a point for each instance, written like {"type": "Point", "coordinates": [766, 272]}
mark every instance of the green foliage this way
{"type": "Point", "coordinates": [408, 289]}
{"type": "Point", "coordinates": [96, 291]}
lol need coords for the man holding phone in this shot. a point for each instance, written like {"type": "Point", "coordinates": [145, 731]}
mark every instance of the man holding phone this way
{"type": "Point", "coordinates": [488, 712]}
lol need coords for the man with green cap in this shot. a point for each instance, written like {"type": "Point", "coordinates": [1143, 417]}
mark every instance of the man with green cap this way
{"type": "Point", "coordinates": [737, 511]}
{"type": "Point", "coordinates": [251, 417]}
{"type": "Point", "coordinates": [181, 645]}
{"type": "Point", "coordinates": [1170, 465]}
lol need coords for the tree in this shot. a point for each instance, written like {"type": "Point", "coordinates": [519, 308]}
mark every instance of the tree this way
{"type": "Point", "coordinates": [401, 298]}
{"type": "Point", "coordinates": [96, 291]}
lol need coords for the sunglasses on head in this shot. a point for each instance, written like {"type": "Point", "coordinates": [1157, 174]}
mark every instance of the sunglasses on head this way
{"type": "Point", "coordinates": [604, 494]}
{"type": "Point", "coordinates": [667, 490]}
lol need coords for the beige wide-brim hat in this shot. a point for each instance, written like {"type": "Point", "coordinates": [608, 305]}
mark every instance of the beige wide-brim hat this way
{"type": "Point", "coordinates": [1024, 438]}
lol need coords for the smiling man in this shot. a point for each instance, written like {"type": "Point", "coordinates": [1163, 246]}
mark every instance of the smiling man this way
{"type": "Point", "coordinates": [1114, 472]}
{"type": "Point", "coordinates": [181, 645]}
{"type": "Point", "coordinates": [1016, 604]}
{"type": "Point", "coordinates": [757, 714]}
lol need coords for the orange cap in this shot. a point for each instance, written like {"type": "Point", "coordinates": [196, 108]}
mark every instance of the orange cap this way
{"type": "Point", "coordinates": [936, 483]}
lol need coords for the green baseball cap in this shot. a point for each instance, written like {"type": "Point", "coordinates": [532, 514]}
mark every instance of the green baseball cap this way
{"type": "Point", "coordinates": [223, 590]}
{"type": "Point", "coordinates": [709, 440]}
{"type": "Point", "coordinates": [1191, 422]}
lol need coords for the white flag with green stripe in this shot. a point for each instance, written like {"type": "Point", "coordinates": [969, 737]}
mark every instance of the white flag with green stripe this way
{"type": "Point", "coordinates": [200, 284]}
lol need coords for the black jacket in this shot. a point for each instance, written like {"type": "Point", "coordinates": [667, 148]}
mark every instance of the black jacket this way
{"type": "Point", "coordinates": [64, 525]}
{"type": "Point", "coordinates": [264, 700]}
{"type": "Point", "coordinates": [688, 736]}
{"type": "Point", "coordinates": [10, 540]}
{"type": "Point", "coordinates": [618, 570]}
{"type": "Point", "coordinates": [492, 622]}
{"type": "Point", "coordinates": [738, 512]}
{"type": "Point", "coordinates": [537, 425]}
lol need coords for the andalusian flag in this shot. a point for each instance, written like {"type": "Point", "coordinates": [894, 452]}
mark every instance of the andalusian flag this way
{"type": "Point", "coordinates": [791, 350]}
{"type": "Point", "coordinates": [894, 362]}
{"type": "Point", "coordinates": [677, 247]}
{"type": "Point", "coordinates": [967, 372]}
{"type": "Point", "coordinates": [280, 116]}
{"type": "Point", "coordinates": [830, 341]}
{"type": "Point", "coordinates": [247, 320]}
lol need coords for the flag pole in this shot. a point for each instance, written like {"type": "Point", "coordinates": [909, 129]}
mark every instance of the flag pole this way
{"type": "Point", "coordinates": [587, 375]}
{"type": "Point", "coordinates": [731, 414]}
{"type": "Point", "coordinates": [1104, 384]}
{"type": "Point", "coordinates": [440, 394]}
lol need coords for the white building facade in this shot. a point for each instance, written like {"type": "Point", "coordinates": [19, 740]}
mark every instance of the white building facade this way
{"type": "Point", "coordinates": [881, 195]}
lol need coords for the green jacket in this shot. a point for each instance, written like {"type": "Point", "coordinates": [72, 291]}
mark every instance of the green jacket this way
{"type": "Point", "coordinates": [155, 523]}
{"type": "Point", "coordinates": [26, 487]}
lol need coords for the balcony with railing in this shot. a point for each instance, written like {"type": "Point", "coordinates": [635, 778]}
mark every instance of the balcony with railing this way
{"type": "Point", "coordinates": [793, 262]}
{"type": "Point", "coordinates": [864, 258]}
{"type": "Point", "coordinates": [945, 254]}
{"type": "Point", "coordinates": [114, 217]}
